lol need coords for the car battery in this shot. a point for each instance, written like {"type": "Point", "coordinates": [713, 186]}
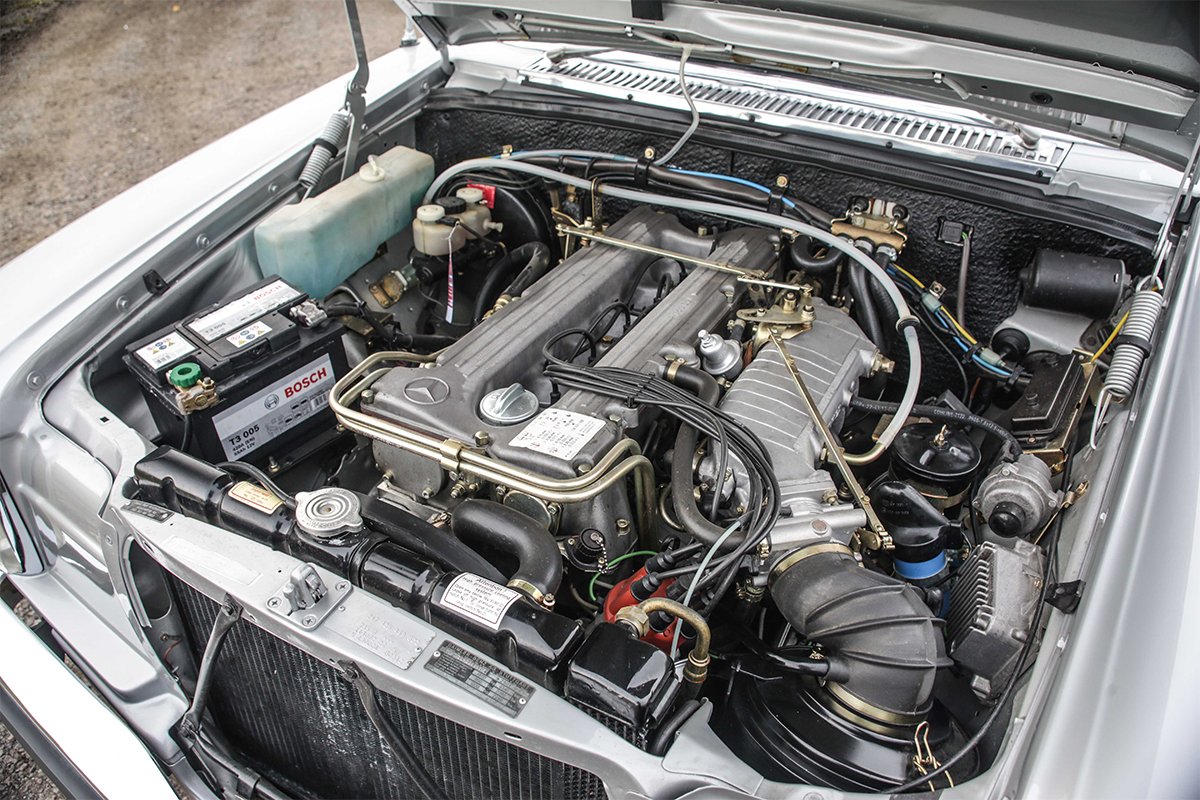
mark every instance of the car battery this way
{"type": "Point", "coordinates": [246, 379]}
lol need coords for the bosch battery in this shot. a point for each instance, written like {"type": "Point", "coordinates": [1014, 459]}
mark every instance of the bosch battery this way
{"type": "Point", "coordinates": [246, 379]}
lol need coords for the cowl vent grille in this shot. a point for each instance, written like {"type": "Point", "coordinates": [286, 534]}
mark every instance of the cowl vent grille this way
{"type": "Point", "coordinates": [789, 103]}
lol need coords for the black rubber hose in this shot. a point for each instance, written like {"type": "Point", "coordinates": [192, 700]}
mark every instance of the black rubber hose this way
{"type": "Point", "coordinates": [878, 626]}
{"type": "Point", "coordinates": [415, 534]}
{"type": "Point", "coordinates": [665, 736]}
{"type": "Point", "coordinates": [1011, 448]}
{"type": "Point", "coordinates": [868, 316]}
{"type": "Point", "coordinates": [532, 257]}
{"type": "Point", "coordinates": [885, 310]}
{"type": "Point", "coordinates": [501, 528]}
{"type": "Point", "coordinates": [821, 266]}
{"type": "Point", "coordinates": [727, 190]}
{"type": "Point", "coordinates": [537, 264]}
{"type": "Point", "coordinates": [683, 499]}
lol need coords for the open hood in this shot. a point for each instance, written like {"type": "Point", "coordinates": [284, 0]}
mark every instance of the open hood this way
{"type": "Point", "coordinates": [1121, 72]}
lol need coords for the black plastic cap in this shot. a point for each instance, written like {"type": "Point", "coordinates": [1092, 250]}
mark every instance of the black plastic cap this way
{"type": "Point", "coordinates": [1007, 519]}
{"type": "Point", "coordinates": [453, 205]}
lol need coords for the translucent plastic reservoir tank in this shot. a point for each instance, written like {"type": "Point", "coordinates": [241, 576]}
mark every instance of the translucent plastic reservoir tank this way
{"type": "Point", "coordinates": [318, 243]}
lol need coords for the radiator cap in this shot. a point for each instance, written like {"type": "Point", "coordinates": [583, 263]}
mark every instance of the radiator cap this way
{"type": "Point", "coordinates": [328, 512]}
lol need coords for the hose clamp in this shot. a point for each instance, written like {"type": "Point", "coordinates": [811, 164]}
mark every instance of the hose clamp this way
{"type": "Point", "coordinates": [534, 593]}
{"type": "Point", "coordinates": [796, 556]}
{"type": "Point", "coordinates": [869, 715]}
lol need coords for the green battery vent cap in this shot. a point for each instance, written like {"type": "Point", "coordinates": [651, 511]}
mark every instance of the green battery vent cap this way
{"type": "Point", "coordinates": [184, 375]}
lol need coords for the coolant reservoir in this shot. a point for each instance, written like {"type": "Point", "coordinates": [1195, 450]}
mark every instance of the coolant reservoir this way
{"type": "Point", "coordinates": [318, 243]}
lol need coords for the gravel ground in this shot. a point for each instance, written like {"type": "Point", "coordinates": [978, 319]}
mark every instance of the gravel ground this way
{"type": "Point", "coordinates": [100, 95]}
{"type": "Point", "coordinates": [96, 96]}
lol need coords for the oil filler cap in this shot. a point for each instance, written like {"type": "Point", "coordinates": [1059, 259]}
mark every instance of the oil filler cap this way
{"type": "Point", "coordinates": [184, 375]}
{"type": "Point", "coordinates": [509, 405]}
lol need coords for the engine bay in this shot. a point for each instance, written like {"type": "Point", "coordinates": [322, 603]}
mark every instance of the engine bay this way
{"type": "Point", "coordinates": [659, 438]}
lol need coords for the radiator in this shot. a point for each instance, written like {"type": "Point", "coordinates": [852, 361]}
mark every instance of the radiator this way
{"type": "Point", "coordinates": [292, 718]}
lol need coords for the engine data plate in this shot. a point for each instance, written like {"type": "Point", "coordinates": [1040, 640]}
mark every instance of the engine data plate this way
{"type": "Point", "coordinates": [489, 683]}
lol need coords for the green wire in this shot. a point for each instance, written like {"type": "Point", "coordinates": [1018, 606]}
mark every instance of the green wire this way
{"type": "Point", "coordinates": [611, 564]}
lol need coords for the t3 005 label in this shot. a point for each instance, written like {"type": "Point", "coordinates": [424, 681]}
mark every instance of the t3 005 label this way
{"type": "Point", "coordinates": [247, 426]}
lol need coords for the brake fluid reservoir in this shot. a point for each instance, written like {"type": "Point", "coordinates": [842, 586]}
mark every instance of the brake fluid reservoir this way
{"type": "Point", "coordinates": [318, 243]}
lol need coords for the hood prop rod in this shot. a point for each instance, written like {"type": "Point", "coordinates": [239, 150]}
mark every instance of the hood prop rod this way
{"type": "Point", "coordinates": [356, 90]}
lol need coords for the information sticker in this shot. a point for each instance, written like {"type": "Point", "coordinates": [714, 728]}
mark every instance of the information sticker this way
{"type": "Point", "coordinates": [479, 599]}
{"type": "Point", "coordinates": [558, 433]}
{"type": "Point", "coordinates": [161, 352]}
{"type": "Point", "coordinates": [234, 315]}
{"type": "Point", "coordinates": [251, 333]}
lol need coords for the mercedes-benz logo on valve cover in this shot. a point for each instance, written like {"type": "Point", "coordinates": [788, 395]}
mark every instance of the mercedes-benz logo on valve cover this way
{"type": "Point", "coordinates": [427, 391]}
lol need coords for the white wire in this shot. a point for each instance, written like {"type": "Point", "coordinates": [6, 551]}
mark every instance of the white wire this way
{"type": "Point", "coordinates": [687, 96]}
{"type": "Point", "coordinates": [687, 598]}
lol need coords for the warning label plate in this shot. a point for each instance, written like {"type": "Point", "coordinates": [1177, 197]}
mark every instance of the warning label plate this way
{"type": "Point", "coordinates": [479, 599]}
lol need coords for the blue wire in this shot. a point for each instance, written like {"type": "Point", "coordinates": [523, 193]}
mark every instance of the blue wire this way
{"type": "Point", "coordinates": [727, 178]}
{"type": "Point", "coordinates": [731, 179]}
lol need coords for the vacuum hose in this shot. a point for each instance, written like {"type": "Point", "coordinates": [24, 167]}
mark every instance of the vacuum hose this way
{"type": "Point", "coordinates": [879, 627]}
{"type": "Point", "coordinates": [535, 256]}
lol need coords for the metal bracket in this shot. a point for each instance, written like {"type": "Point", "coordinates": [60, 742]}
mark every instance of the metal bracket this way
{"type": "Point", "coordinates": [1065, 596]}
{"type": "Point", "coordinates": [356, 90]}
{"type": "Point", "coordinates": [305, 600]}
{"type": "Point", "coordinates": [743, 275]}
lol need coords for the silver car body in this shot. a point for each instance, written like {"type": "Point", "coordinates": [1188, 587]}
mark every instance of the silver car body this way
{"type": "Point", "coordinates": [1111, 708]}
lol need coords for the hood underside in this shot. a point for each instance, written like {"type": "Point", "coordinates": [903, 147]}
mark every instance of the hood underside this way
{"type": "Point", "coordinates": [1123, 73]}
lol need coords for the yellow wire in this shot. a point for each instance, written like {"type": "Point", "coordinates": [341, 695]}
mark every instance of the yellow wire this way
{"type": "Point", "coordinates": [1109, 340]}
{"type": "Point", "coordinates": [908, 275]}
{"type": "Point", "coordinates": [965, 334]}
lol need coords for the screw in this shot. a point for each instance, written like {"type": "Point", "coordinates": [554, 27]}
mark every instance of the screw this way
{"type": "Point", "coordinates": [309, 620]}
{"type": "Point", "coordinates": [122, 304]}
{"type": "Point", "coordinates": [427, 492]}
{"type": "Point", "coordinates": [622, 526]}
{"type": "Point", "coordinates": [33, 380]}
{"type": "Point", "coordinates": [368, 396]}
{"type": "Point", "coordinates": [342, 586]}
{"type": "Point", "coordinates": [781, 181]}
{"type": "Point", "coordinates": [273, 602]}
{"type": "Point", "coordinates": [584, 468]}
{"type": "Point", "coordinates": [483, 438]}
{"type": "Point", "coordinates": [648, 152]}
{"type": "Point", "coordinates": [203, 242]}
